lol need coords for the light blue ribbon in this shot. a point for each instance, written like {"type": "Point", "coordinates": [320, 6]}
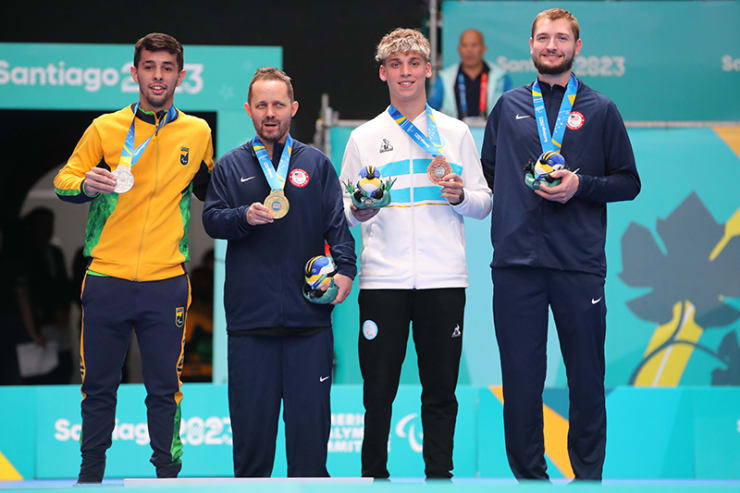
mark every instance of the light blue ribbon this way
{"type": "Point", "coordinates": [431, 144]}
{"type": "Point", "coordinates": [129, 154]}
{"type": "Point", "coordinates": [554, 141]}
{"type": "Point", "coordinates": [276, 179]}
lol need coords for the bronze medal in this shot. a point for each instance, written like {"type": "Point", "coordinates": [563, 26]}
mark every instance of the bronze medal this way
{"type": "Point", "coordinates": [277, 203]}
{"type": "Point", "coordinates": [438, 169]}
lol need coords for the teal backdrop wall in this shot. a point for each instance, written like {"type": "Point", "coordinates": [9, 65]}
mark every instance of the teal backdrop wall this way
{"type": "Point", "coordinates": [85, 76]}
{"type": "Point", "coordinates": [687, 433]}
{"type": "Point", "coordinates": [669, 60]}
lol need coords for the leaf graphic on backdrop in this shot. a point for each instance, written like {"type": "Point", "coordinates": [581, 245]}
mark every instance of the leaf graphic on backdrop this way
{"type": "Point", "coordinates": [729, 352]}
{"type": "Point", "coordinates": [684, 272]}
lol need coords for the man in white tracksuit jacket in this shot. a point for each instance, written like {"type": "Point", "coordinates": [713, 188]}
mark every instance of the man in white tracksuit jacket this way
{"type": "Point", "coordinates": [412, 263]}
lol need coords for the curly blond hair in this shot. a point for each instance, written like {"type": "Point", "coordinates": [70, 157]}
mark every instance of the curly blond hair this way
{"type": "Point", "coordinates": [402, 40]}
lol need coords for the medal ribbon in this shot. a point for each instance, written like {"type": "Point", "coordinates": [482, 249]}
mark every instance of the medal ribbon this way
{"type": "Point", "coordinates": [483, 98]}
{"type": "Point", "coordinates": [276, 179]}
{"type": "Point", "coordinates": [555, 141]}
{"type": "Point", "coordinates": [462, 95]}
{"type": "Point", "coordinates": [129, 154]}
{"type": "Point", "coordinates": [431, 144]}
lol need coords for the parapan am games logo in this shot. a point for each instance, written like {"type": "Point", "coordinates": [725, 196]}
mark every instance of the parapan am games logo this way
{"type": "Point", "coordinates": [409, 427]}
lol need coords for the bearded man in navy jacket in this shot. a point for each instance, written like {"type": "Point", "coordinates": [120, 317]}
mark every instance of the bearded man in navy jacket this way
{"type": "Point", "coordinates": [549, 244]}
{"type": "Point", "coordinates": [280, 345]}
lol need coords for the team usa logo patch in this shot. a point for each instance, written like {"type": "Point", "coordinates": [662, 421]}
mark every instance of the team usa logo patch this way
{"type": "Point", "coordinates": [299, 178]}
{"type": "Point", "coordinates": [369, 330]}
{"type": "Point", "coordinates": [184, 155]}
{"type": "Point", "coordinates": [575, 120]}
{"type": "Point", "coordinates": [180, 316]}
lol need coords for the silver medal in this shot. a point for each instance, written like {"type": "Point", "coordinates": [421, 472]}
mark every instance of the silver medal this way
{"type": "Point", "coordinates": [124, 179]}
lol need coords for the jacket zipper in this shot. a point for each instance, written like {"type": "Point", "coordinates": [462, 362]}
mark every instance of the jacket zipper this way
{"type": "Point", "coordinates": [413, 218]}
{"type": "Point", "coordinates": [151, 196]}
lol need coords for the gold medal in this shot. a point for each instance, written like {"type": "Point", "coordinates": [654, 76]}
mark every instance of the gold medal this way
{"type": "Point", "coordinates": [438, 169]}
{"type": "Point", "coordinates": [277, 203]}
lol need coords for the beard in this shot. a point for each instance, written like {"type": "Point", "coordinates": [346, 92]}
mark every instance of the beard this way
{"type": "Point", "coordinates": [564, 66]}
{"type": "Point", "coordinates": [275, 134]}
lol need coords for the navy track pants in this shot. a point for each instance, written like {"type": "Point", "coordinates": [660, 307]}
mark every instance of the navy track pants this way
{"type": "Point", "coordinates": [155, 311]}
{"type": "Point", "coordinates": [521, 296]}
{"type": "Point", "coordinates": [263, 370]}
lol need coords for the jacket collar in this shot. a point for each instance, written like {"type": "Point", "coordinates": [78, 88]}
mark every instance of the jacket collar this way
{"type": "Point", "coordinates": [149, 117]}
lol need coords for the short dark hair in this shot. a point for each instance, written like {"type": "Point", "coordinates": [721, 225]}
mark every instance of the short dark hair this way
{"type": "Point", "coordinates": [159, 42]}
{"type": "Point", "coordinates": [271, 73]}
{"type": "Point", "coordinates": [555, 14]}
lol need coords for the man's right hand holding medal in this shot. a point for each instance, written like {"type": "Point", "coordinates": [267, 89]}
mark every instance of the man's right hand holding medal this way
{"type": "Point", "coordinates": [98, 180]}
{"type": "Point", "coordinates": [363, 215]}
{"type": "Point", "coordinates": [258, 213]}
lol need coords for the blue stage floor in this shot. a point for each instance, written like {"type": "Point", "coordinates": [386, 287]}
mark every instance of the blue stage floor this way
{"type": "Point", "coordinates": [357, 485]}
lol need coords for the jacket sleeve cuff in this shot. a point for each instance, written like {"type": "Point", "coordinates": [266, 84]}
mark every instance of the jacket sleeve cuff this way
{"type": "Point", "coordinates": [352, 221]}
{"type": "Point", "coordinates": [243, 217]}
{"type": "Point", "coordinates": [84, 191]}
{"type": "Point", "coordinates": [579, 192]}
{"type": "Point", "coordinates": [462, 200]}
{"type": "Point", "coordinates": [347, 270]}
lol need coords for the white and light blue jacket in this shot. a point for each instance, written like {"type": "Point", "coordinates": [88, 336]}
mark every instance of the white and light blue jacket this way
{"type": "Point", "coordinates": [418, 240]}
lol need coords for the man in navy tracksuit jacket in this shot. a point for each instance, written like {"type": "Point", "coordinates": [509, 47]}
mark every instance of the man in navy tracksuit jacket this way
{"type": "Point", "coordinates": [549, 249]}
{"type": "Point", "coordinates": [280, 345]}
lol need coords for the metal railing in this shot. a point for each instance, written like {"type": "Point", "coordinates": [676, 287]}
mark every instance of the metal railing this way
{"type": "Point", "coordinates": [330, 118]}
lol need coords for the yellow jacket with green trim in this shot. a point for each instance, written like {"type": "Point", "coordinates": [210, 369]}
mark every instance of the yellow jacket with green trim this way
{"type": "Point", "coordinates": [140, 235]}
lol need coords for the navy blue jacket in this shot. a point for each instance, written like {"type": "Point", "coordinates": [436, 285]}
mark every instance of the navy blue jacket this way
{"type": "Point", "coordinates": [264, 263]}
{"type": "Point", "coordinates": [532, 231]}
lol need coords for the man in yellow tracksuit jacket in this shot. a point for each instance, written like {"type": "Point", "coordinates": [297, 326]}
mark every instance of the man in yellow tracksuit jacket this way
{"type": "Point", "coordinates": [137, 167]}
